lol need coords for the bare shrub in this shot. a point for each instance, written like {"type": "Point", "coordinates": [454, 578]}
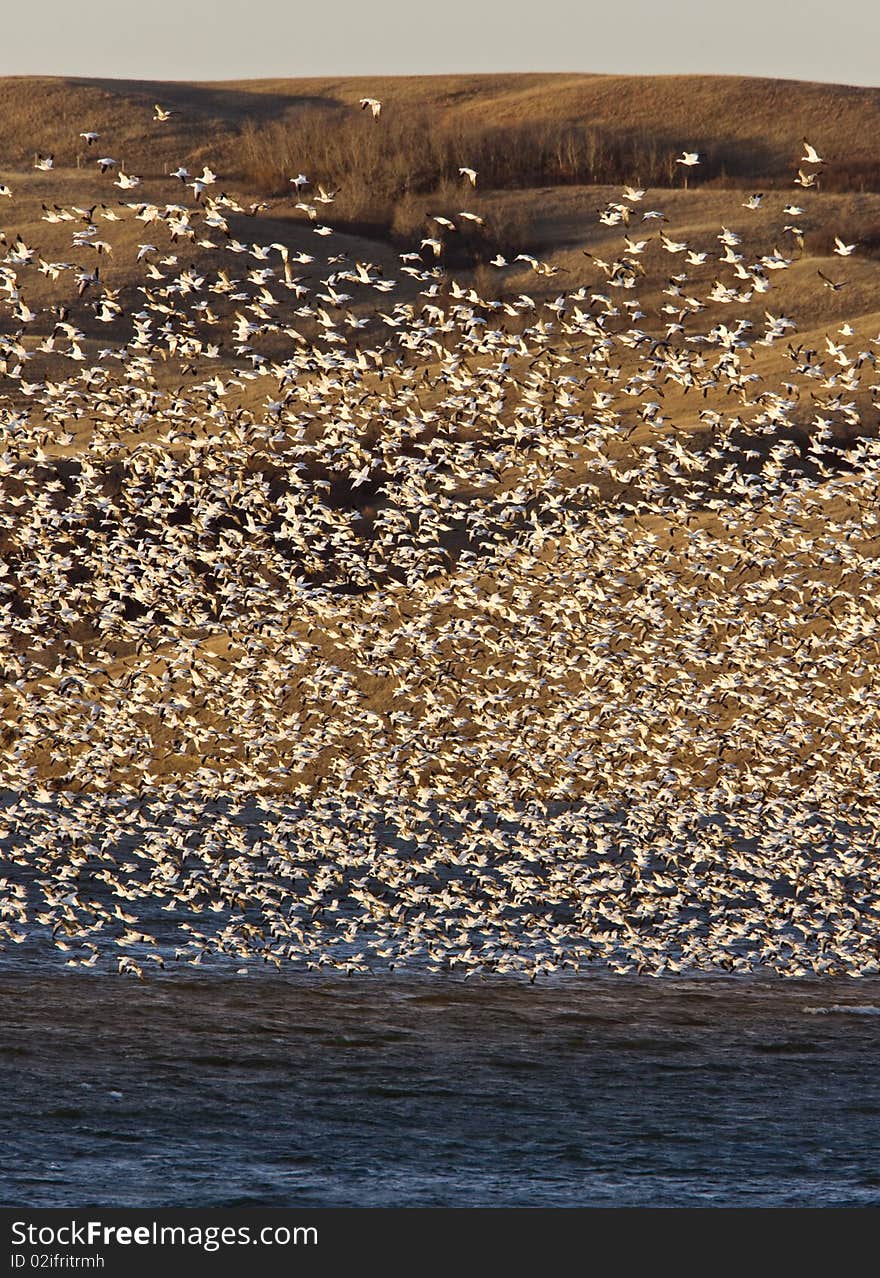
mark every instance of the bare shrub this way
{"type": "Point", "coordinates": [408, 218]}
{"type": "Point", "coordinates": [863, 232]}
{"type": "Point", "coordinates": [412, 154]}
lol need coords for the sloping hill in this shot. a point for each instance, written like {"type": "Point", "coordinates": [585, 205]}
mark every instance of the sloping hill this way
{"type": "Point", "coordinates": [747, 129]}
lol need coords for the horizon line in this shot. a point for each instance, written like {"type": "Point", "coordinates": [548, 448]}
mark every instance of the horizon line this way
{"type": "Point", "coordinates": [436, 75]}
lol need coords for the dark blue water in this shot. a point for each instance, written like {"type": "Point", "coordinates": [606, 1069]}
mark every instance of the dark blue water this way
{"type": "Point", "coordinates": [271, 1091]}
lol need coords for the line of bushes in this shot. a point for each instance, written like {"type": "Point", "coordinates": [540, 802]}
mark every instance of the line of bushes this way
{"type": "Point", "coordinates": [408, 152]}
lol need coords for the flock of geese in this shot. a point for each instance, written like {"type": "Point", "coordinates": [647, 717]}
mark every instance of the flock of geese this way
{"type": "Point", "coordinates": [354, 620]}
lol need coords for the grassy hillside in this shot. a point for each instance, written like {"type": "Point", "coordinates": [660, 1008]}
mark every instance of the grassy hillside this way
{"type": "Point", "coordinates": [748, 129]}
{"type": "Point", "coordinates": [524, 133]}
{"type": "Point", "coordinates": [316, 389]}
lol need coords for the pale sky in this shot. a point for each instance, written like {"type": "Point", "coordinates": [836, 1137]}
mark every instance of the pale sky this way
{"type": "Point", "coordinates": [835, 40]}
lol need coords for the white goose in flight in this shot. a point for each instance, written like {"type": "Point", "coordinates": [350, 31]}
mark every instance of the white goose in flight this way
{"type": "Point", "coordinates": [805, 179]}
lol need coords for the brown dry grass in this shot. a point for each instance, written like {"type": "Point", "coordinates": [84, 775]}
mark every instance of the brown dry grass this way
{"type": "Point", "coordinates": [749, 129]}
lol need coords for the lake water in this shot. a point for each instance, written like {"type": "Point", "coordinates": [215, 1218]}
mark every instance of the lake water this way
{"type": "Point", "coordinates": [268, 1090]}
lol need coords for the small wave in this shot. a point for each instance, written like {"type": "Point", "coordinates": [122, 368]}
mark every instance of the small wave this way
{"type": "Point", "coordinates": [847, 1009]}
